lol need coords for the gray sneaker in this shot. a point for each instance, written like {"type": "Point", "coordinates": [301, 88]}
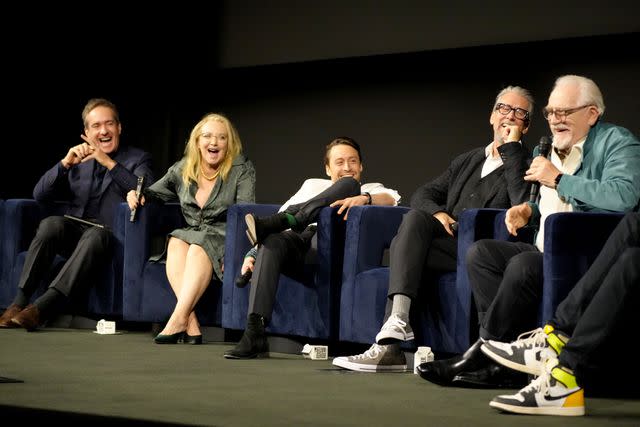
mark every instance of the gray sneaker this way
{"type": "Point", "coordinates": [379, 358]}
{"type": "Point", "coordinates": [394, 330]}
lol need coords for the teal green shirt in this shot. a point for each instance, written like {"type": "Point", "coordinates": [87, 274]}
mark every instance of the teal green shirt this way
{"type": "Point", "coordinates": [608, 179]}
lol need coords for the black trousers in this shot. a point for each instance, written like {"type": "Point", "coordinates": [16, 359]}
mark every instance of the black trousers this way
{"type": "Point", "coordinates": [600, 314]}
{"type": "Point", "coordinates": [421, 248]}
{"type": "Point", "coordinates": [506, 280]}
{"type": "Point", "coordinates": [286, 252]}
{"type": "Point", "coordinates": [87, 249]}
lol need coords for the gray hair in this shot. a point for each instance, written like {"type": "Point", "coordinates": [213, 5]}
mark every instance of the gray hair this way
{"type": "Point", "coordinates": [520, 91]}
{"type": "Point", "coordinates": [589, 91]}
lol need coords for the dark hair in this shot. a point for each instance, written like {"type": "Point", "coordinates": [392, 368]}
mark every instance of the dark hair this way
{"type": "Point", "coordinates": [342, 140]}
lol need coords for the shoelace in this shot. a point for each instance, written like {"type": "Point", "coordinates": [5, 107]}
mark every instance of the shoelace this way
{"type": "Point", "coordinates": [395, 323]}
{"type": "Point", "coordinates": [535, 338]}
{"type": "Point", "coordinates": [372, 353]}
{"type": "Point", "coordinates": [543, 383]}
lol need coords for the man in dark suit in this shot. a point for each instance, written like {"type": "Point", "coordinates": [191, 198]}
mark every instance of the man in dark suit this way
{"type": "Point", "coordinates": [486, 177]}
{"type": "Point", "coordinates": [93, 177]}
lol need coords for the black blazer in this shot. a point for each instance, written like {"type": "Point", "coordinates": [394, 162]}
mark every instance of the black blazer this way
{"type": "Point", "coordinates": [443, 193]}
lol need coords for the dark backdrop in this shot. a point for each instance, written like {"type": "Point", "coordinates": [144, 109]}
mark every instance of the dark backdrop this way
{"type": "Point", "coordinates": [412, 111]}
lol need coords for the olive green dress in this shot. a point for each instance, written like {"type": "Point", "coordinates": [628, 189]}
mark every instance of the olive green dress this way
{"type": "Point", "coordinates": [206, 227]}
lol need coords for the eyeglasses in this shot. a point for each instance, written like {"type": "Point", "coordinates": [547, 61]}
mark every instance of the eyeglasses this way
{"type": "Point", "coordinates": [209, 136]}
{"type": "Point", "coordinates": [561, 113]}
{"type": "Point", "coordinates": [505, 109]}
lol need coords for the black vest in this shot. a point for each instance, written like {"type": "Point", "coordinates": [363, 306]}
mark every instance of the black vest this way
{"type": "Point", "coordinates": [476, 190]}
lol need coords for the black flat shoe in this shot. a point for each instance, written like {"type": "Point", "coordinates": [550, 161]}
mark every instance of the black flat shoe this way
{"type": "Point", "coordinates": [169, 339]}
{"type": "Point", "coordinates": [192, 339]}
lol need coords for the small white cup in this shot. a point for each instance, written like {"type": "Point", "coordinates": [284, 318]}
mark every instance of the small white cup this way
{"type": "Point", "coordinates": [315, 352]}
{"type": "Point", "coordinates": [422, 355]}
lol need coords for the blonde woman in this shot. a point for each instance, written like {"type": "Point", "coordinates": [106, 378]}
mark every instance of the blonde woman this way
{"type": "Point", "coordinates": [212, 175]}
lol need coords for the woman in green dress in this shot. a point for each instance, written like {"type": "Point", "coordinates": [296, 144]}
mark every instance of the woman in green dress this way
{"type": "Point", "coordinates": [212, 175]}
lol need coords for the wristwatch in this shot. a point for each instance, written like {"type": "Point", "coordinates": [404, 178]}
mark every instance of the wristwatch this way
{"type": "Point", "coordinates": [368, 197]}
{"type": "Point", "coordinates": [558, 178]}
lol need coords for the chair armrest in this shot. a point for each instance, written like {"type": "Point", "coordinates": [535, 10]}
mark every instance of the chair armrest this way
{"type": "Point", "coordinates": [525, 234]}
{"type": "Point", "coordinates": [153, 220]}
{"type": "Point", "coordinates": [235, 248]}
{"type": "Point", "coordinates": [22, 217]}
{"type": "Point", "coordinates": [572, 241]}
{"type": "Point", "coordinates": [369, 232]}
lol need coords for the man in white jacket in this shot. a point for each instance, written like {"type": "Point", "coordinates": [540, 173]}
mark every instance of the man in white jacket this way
{"type": "Point", "coordinates": [283, 240]}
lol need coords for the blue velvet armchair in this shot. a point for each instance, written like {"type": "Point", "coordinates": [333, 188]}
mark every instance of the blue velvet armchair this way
{"type": "Point", "coordinates": [147, 294]}
{"type": "Point", "coordinates": [307, 308]}
{"type": "Point", "coordinates": [440, 319]}
{"type": "Point", "coordinates": [572, 241]}
{"type": "Point", "coordinates": [22, 216]}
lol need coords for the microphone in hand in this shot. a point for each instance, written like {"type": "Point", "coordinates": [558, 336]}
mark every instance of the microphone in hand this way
{"type": "Point", "coordinates": [243, 279]}
{"type": "Point", "coordinates": [132, 217]}
{"type": "Point", "coordinates": [544, 148]}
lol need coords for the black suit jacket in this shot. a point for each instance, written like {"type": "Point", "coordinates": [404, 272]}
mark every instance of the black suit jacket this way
{"type": "Point", "coordinates": [442, 193]}
{"type": "Point", "coordinates": [74, 185]}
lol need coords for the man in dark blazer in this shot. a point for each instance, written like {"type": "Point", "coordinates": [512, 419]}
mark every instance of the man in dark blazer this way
{"type": "Point", "coordinates": [486, 177]}
{"type": "Point", "coordinates": [93, 177]}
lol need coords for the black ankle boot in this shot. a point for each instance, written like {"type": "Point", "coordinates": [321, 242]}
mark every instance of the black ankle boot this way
{"type": "Point", "coordinates": [258, 228]}
{"type": "Point", "coordinates": [443, 372]}
{"type": "Point", "coordinates": [253, 342]}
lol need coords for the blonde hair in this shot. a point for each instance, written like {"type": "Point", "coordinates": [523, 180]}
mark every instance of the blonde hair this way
{"type": "Point", "coordinates": [193, 160]}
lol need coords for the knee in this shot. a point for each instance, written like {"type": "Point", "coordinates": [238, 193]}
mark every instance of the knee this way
{"type": "Point", "coordinates": [50, 227]}
{"type": "Point", "coordinates": [477, 252]}
{"type": "Point", "coordinates": [417, 220]}
{"type": "Point", "coordinates": [96, 237]}
{"type": "Point", "coordinates": [350, 185]}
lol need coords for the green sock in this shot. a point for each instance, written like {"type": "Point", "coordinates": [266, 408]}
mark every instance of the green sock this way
{"type": "Point", "coordinates": [291, 220]}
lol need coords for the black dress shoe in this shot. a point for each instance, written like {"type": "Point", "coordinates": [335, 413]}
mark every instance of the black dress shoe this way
{"type": "Point", "coordinates": [258, 228]}
{"type": "Point", "coordinates": [192, 339]}
{"type": "Point", "coordinates": [169, 339]}
{"type": "Point", "coordinates": [442, 372]}
{"type": "Point", "coordinates": [491, 376]}
{"type": "Point", "coordinates": [253, 342]}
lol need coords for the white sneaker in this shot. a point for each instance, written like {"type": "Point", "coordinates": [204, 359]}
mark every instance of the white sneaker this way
{"type": "Point", "coordinates": [529, 352]}
{"type": "Point", "coordinates": [379, 358]}
{"type": "Point", "coordinates": [554, 392]}
{"type": "Point", "coordinates": [394, 329]}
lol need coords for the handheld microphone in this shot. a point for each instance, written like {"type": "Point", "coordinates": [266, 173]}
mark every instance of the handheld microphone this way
{"type": "Point", "coordinates": [243, 280]}
{"type": "Point", "coordinates": [544, 148]}
{"type": "Point", "coordinates": [132, 217]}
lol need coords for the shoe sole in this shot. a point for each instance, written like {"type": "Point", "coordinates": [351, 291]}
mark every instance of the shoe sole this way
{"type": "Point", "coordinates": [253, 356]}
{"type": "Point", "coordinates": [540, 410]}
{"type": "Point", "coordinates": [251, 228]}
{"type": "Point", "coordinates": [345, 364]}
{"type": "Point", "coordinates": [533, 370]}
